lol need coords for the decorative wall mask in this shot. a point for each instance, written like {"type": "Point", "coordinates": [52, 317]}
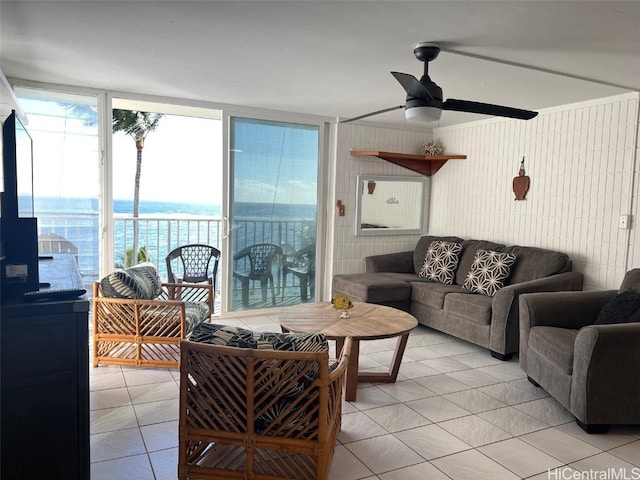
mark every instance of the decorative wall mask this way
{"type": "Point", "coordinates": [521, 183]}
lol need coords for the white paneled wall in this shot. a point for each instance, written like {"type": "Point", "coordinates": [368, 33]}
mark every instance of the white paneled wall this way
{"type": "Point", "coordinates": [581, 159]}
{"type": "Point", "coordinates": [347, 249]}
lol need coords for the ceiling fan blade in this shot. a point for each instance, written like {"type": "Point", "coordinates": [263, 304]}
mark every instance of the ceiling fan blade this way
{"type": "Point", "coordinates": [372, 114]}
{"type": "Point", "coordinates": [487, 109]}
{"type": "Point", "coordinates": [412, 86]}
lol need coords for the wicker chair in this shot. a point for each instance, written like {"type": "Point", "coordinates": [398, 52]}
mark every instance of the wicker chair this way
{"type": "Point", "coordinates": [226, 393]}
{"type": "Point", "coordinates": [146, 332]}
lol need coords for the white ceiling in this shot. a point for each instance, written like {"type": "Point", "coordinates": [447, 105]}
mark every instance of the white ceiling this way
{"type": "Point", "coordinates": [328, 58]}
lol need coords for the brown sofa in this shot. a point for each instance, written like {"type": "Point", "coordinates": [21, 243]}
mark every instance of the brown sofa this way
{"type": "Point", "coordinates": [489, 321]}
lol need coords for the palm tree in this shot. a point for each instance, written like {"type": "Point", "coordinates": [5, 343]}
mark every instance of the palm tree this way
{"type": "Point", "coordinates": [137, 125]}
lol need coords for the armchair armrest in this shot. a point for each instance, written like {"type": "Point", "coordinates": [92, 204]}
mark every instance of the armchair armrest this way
{"type": "Point", "coordinates": [398, 262]}
{"type": "Point", "coordinates": [188, 292]}
{"type": "Point", "coordinates": [344, 360]}
{"type": "Point", "coordinates": [604, 386]}
{"type": "Point", "coordinates": [558, 309]}
{"type": "Point", "coordinates": [562, 309]}
{"type": "Point", "coordinates": [505, 329]}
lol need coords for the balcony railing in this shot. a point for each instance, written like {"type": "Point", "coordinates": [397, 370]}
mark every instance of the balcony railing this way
{"type": "Point", "coordinates": [159, 235]}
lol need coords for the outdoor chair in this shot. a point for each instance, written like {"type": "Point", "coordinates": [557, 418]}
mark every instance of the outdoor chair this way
{"type": "Point", "coordinates": [50, 242]}
{"type": "Point", "coordinates": [194, 263]}
{"type": "Point", "coordinates": [266, 407]}
{"type": "Point", "coordinates": [583, 349]}
{"type": "Point", "coordinates": [260, 268]}
{"type": "Point", "coordinates": [140, 321]}
{"type": "Point", "coordinates": [301, 264]}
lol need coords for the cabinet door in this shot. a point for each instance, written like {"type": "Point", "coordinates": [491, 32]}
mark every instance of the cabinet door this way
{"type": "Point", "coordinates": [40, 428]}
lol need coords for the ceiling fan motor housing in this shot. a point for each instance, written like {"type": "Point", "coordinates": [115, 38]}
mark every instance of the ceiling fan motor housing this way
{"type": "Point", "coordinates": [426, 51]}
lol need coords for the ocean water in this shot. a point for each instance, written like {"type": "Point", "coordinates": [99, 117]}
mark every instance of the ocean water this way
{"type": "Point", "coordinates": [77, 220]}
{"type": "Point", "coordinates": [241, 210]}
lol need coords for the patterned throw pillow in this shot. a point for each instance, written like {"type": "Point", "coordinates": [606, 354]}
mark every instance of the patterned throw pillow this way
{"type": "Point", "coordinates": [441, 261]}
{"type": "Point", "coordinates": [138, 282]}
{"type": "Point", "coordinates": [489, 271]}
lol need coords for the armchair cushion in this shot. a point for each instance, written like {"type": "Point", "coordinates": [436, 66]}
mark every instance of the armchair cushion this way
{"type": "Point", "coordinates": [138, 282]}
{"type": "Point", "coordinates": [223, 335]}
{"type": "Point", "coordinates": [195, 314]}
{"type": "Point", "coordinates": [623, 308]}
{"type": "Point", "coordinates": [441, 261]}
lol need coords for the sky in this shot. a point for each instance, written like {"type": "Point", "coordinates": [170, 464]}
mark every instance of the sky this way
{"type": "Point", "coordinates": [181, 160]}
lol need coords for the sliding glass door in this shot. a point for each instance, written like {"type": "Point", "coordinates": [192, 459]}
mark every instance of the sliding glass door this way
{"type": "Point", "coordinates": [272, 212]}
{"type": "Point", "coordinates": [66, 174]}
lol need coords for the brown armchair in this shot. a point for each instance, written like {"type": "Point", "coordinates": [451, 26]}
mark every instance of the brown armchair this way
{"type": "Point", "coordinates": [591, 369]}
{"type": "Point", "coordinates": [258, 413]}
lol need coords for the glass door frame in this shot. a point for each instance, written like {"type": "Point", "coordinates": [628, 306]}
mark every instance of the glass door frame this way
{"type": "Point", "coordinates": [321, 197]}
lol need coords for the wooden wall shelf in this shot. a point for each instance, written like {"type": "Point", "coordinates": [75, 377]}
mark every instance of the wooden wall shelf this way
{"type": "Point", "coordinates": [424, 164]}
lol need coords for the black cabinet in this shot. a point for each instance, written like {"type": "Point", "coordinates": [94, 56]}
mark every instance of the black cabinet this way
{"type": "Point", "coordinates": [44, 396]}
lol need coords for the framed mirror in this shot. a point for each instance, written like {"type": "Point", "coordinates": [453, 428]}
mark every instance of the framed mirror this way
{"type": "Point", "coordinates": [389, 205]}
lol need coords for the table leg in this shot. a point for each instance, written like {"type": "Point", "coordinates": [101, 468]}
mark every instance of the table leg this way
{"type": "Point", "coordinates": [393, 368]}
{"type": "Point", "coordinates": [351, 378]}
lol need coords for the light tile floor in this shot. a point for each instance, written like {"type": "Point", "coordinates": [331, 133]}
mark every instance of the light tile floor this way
{"type": "Point", "coordinates": [455, 413]}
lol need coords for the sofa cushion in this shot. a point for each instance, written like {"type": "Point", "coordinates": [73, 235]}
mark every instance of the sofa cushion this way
{"type": "Point", "coordinates": [432, 294]}
{"type": "Point", "coordinates": [371, 287]}
{"type": "Point", "coordinates": [408, 277]}
{"type": "Point", "coordinates": [469, 305]}
{"type": "Point", "coordinates": [421, 249]}
{"type": "Point", "coordinates": [489, 271]}
{"type": "Point", "coordinates": [138, 282]}
{"type": "Point", "coordinates": [468, 254]}
{"type": "Point", "coordinates": [555, 344]}
{"type": "Point", "coordinates": [623, 308]}
{"type": "Point", "coordinates": [441, 261]}
{"type": "Point", "coordinates": [536, 263]}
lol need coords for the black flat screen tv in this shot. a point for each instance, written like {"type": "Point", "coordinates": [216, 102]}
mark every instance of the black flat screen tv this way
{"type": "Point", "coordinates": [18, 226]}
{"type": "Point", "coordinates": [17, 170]}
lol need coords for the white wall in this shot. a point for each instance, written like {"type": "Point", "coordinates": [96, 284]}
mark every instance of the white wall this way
{"type": "Point", "coordinates": [581, 159]}
{"type": "Point", "coordinates": [347, 249]}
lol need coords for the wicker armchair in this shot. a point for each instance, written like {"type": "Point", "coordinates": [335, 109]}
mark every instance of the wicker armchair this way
{"type": "Point", "coordinates": [140, 331]}
{"type": "Point", "coordinates": [238, 419]}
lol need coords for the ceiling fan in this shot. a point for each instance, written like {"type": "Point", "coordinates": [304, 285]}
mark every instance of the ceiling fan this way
{"type": "Point", "coordinates": [424, 102]}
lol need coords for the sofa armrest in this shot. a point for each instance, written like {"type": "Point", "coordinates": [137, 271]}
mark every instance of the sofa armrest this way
{"type": "Point", "coordinates": [604, 383]}
{"type": "Point", "coordinates": [399, 262]}
{"type": "Point", "coordinates": [505, 329]}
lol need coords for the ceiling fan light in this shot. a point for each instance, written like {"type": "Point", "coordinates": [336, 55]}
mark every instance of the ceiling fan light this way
{"type": "Point", "coordinates": [423, 114]}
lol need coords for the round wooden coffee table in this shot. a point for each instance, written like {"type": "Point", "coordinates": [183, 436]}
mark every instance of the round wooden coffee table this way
{"type": "Point", "coordinates": [368, 322]}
